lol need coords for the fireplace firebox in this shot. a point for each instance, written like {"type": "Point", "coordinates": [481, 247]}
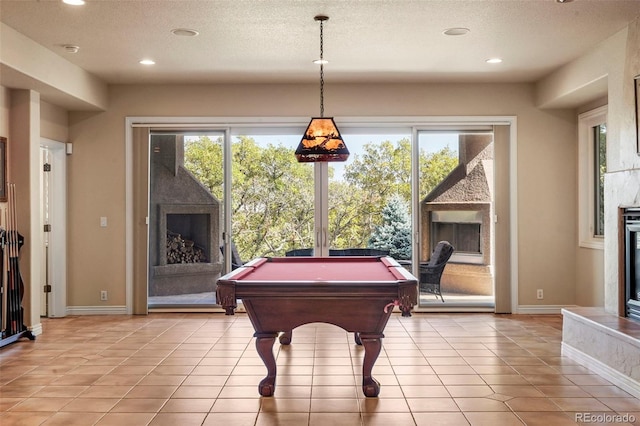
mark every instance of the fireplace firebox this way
{"type": "Point", "coordinates": [632, 262]}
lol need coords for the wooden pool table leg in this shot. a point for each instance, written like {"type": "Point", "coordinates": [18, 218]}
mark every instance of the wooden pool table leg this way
{"type": "Point", "coordinates": [372, 345]}
{"type": "Point", "coordinates": [356, 338]}
{"type": "Point", "coordinates": [264, 346]}
{"type": "Point", "coordinates": [285, 337]}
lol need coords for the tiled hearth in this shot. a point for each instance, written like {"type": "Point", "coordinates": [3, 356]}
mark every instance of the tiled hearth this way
{"type": "Point", "coordinates": [605, 343]}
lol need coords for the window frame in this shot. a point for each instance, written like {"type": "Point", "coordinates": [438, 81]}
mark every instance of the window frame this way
{"type": "Point", "coordinates": [587, 177]}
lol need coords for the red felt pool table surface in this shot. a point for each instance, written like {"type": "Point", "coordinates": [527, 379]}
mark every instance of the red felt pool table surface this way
{"type": "Point", "coordinates": [322, 269]}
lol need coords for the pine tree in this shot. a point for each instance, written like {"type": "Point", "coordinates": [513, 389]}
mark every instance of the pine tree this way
{"type": "Point", "coordinates": [394, 234]}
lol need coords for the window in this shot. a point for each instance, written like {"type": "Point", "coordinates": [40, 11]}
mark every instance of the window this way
{"type": "Point", "coordinates": [592, 166]}
{"type": "Point", "coordinates": [600, 168]}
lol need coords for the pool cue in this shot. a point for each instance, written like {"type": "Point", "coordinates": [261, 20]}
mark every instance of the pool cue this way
{"type": "Point", "coordinates": [13, 290]}
{"type": "Point", "coordinates": [5, 277]}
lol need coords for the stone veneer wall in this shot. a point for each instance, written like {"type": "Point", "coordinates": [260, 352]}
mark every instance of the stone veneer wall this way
{"type": "Point", "coordinates": [622, 190]}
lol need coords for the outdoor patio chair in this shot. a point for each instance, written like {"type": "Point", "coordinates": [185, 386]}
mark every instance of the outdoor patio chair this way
{"type": "Point", "coordinates": [236, 261]}
{"type": "Point", "coordinates": [431, 271]}
{"type": "Point", "coordinates": [358, 252]}
{"type": "Point", "coordinates": [299, 252]}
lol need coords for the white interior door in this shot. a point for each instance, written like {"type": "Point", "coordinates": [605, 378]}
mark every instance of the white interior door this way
{"type": "Point", "coordinates": [53, 219]}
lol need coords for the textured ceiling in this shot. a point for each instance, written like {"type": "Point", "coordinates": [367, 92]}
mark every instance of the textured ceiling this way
{"type": "Point", "coordinates": [276, 41]}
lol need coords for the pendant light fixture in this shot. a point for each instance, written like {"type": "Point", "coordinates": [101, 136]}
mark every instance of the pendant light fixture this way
{"type": "Point", "coordinates": [322, 140]}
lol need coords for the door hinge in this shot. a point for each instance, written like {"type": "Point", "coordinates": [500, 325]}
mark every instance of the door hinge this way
{"type": "Point", "coordinates": [47, 227]}
{"type": "Point", "coordinates": [47, 288]}
{"type": "Point", "coordinates": [46, 167]}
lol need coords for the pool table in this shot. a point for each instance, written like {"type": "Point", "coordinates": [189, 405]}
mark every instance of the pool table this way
{"type": "Point", "coordinates": [355, 293]}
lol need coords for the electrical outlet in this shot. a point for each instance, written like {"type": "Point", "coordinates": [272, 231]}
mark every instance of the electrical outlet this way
{"type": "Point", "coordinates": [540, 294]}
{"type": "Point", "coordinates": [103, 295]}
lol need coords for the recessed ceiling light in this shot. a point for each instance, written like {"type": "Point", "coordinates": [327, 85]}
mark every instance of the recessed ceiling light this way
{"type": "Point", "coordinates": [147, 62]}
{"type": "Point", "coordinates": [321, 62]}
{"type": "Point", "coordinates": [184, 32]}
{"type": "Point", "coordinates": [70, 48]}
{"type": "Point", "coordinates": [494, 60]}
{"type": "Point", "coordinates": [74, 2]}
{"type": "Point", "coordinates": [457, 31]}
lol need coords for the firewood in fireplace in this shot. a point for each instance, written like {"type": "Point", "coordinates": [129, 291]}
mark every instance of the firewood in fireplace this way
{"type": "Point", "coordinates": [182, 250]}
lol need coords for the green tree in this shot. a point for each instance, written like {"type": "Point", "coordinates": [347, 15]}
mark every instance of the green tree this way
{"type": "Point", "coordinates": [602, 170]}
{"type": "Point", "coordinates": [203, 158]}
{"type": "Point", "coordinates": [434, 167]}
{"type": "Point", "coordinates": [381, 171]}
{"type": "Point", "coordinates": [273, 194]}
{"type": "Point", "coordinates": [272, 200]}
{"type": "Point", "coordinates": [347, 219]}
{"type": "Point", "coordinates": [394, 234]}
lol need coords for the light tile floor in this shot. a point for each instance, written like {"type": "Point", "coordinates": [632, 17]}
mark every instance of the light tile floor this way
{"type": "Point", "coordinates": [203, 369]}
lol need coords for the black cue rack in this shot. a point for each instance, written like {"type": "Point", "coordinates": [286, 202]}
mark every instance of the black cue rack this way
{"type": "Point", "coordinates": [12, 324]}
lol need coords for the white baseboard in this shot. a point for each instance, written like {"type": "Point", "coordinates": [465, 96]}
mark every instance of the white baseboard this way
{"type": "Point", "coordinates": [36, 329]}
{"type": "Point", "coordinates": [541, 309]}
{"type": "Point", "coordinates": [521, 309]}
{"type": "Point", "coordinates": [96, 310]}
{"type": "Point", "coordinates": [614, 376]}
{"type": "Point", "coordinates": [447, 309]}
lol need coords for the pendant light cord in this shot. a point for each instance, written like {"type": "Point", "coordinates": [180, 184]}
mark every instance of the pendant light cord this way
{"type": "Point", "coordinates": [321, 70]}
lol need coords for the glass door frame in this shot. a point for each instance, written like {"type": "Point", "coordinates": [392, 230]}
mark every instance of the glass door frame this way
{"type": "Point", "coordinates": [232, 126]}
{"type": "Point", "coordinates": [458, 129]}
{"type": "Point", "coordinates": [321, 210]}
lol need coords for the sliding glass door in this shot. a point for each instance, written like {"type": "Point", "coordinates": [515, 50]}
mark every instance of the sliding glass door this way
{"type": "Point", "coordinates": [456, 187]}
{"type": "Point", "coordinates": [186, 205]}
{"type": "Point", "coordinates": [223, 197]}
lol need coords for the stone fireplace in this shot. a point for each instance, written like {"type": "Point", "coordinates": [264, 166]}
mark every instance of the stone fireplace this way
{"type": "Point", "coordinates": [184, 224]}
{"type": "Point", "coordinates": [190, 223]}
